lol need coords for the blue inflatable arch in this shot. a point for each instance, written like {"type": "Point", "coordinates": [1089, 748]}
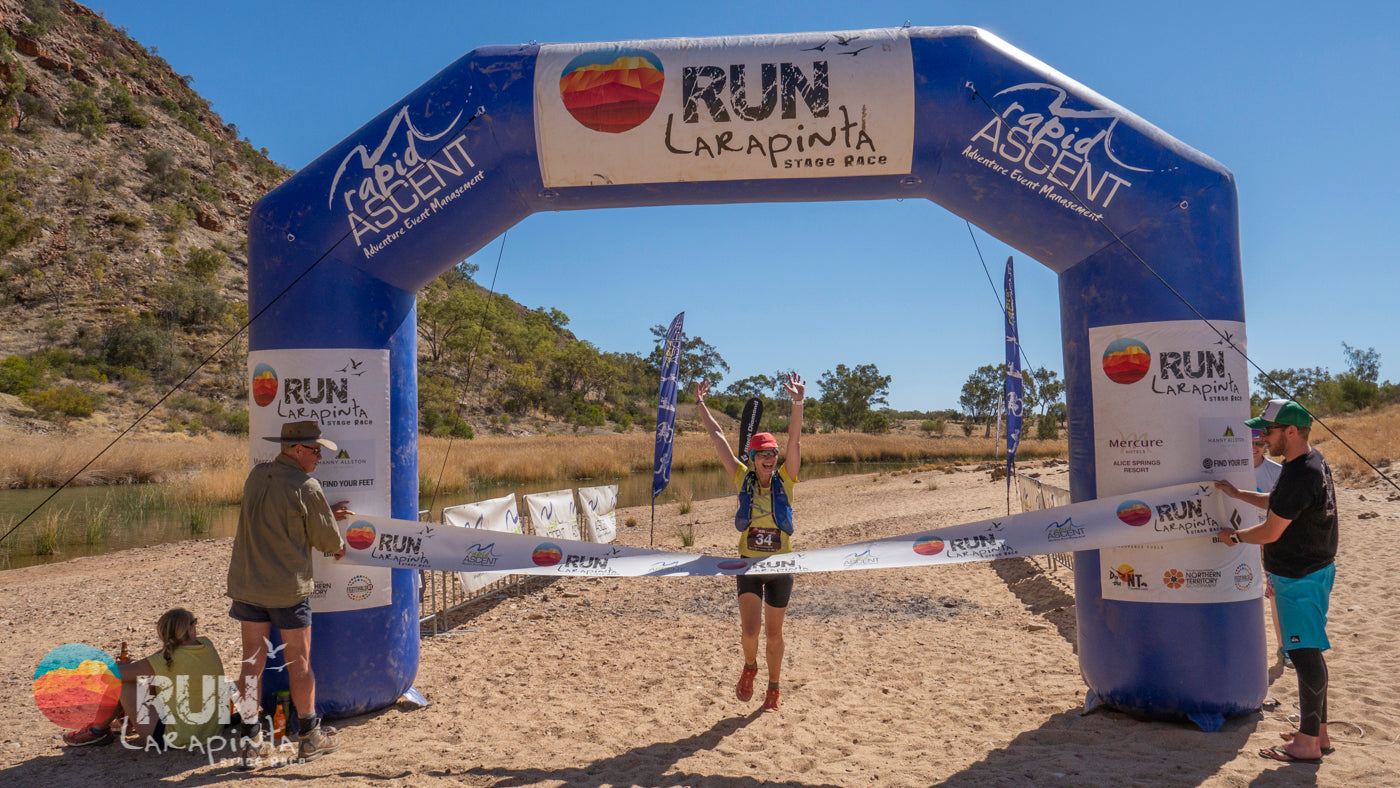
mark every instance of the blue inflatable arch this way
{"type": "Point", "coordinates": [951, 114]}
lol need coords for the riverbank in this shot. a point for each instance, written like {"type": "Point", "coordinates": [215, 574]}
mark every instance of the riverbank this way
{"type": "Point", "coordinates": [962, 675]}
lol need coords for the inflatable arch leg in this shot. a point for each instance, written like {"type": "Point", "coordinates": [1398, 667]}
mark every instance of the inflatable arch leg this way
{"type": "Point", "coordinates": [953, 115]}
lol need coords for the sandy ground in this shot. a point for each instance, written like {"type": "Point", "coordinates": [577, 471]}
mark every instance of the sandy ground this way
{"type": "Point", "coordinates": [963, 675]}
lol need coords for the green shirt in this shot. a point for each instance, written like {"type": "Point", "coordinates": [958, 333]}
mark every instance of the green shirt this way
{"type": "Point", "coordinates": [284, 515]}
{"type": "Point", "coordinates": [189, 694]}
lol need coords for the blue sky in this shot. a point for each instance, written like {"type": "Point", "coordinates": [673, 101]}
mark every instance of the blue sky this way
{"type": "Point", "coordinates": [1300, 103]}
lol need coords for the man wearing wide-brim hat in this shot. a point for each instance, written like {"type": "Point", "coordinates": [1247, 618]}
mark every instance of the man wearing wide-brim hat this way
{"type": "Point", "coordinates": [284, 515]}
{"type": "Point", "coordinates": [1299, 540]}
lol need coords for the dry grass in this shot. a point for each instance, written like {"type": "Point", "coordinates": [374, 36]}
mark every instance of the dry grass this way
{"type": "Point", "coordinates": [210, 470]}
{"type": "Point", "coordinates": [1375, 434]}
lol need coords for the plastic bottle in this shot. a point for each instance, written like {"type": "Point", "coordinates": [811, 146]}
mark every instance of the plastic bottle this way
{"type": "Point", "coordinates": [279, 720]}
{"type": "Point", "coordinates": [284, 702]}
{"type": "Point", "coordinates": [125, 656]}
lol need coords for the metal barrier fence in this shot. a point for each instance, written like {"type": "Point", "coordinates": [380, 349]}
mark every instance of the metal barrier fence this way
{"type": "Point", "coordinates": [440, 593]}
{"type": "Point", "coordinates": [1035, 495]}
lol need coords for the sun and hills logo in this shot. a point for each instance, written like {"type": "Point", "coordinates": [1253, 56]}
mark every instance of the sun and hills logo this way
{"type": "Point", "coordinates": [1134, 513]}
{"type": "Point", "coordinates": [360, 535]}
{"type": "Point", "coordinates": [1126, 360]}
{"type": "Point", "coordinates": [264, 384]}
{"type": "Point", "coordinates": [612, 90]}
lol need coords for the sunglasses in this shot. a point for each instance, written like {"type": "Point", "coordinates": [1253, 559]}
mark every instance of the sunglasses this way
{"type": "Point", "coordinates": [766, 453]}
{"type": "Point", "coordinates": [1262, 444]}
{"type": "Point", "coordinates": [316, 450]}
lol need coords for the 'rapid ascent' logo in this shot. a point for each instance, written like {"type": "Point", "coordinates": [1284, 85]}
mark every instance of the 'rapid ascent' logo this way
{"type": "Point", "coordinates": [612, 90]}
{"type": "Point", "coordinates": [1126, 360]}
{"type": "Point", "coordinates": [1056, 532]}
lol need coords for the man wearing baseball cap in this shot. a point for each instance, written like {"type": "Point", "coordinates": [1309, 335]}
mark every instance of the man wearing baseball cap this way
{"type": "Point", "coordinates": [1299, 542]}
{"type": "Point", "coordinates": [284, 515]}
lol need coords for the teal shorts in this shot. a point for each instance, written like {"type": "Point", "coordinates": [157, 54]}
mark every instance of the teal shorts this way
{"type": "Point", "coordinates": [1302, 608]}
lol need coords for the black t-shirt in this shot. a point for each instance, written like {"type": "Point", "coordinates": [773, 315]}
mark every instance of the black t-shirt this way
{"type": "Point", "coordinates": [1304, 495]}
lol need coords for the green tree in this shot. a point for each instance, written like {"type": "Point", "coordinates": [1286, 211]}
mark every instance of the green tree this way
{"type": "Point", "coordinates": [981, 393]}
{"type": "Point", "coordinates": [699, 360]}
{"type": "Point", "coordinates": [849, 394]}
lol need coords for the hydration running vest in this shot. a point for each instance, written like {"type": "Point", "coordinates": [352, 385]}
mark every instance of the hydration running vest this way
{"type": "Point", "coordinates": [782, 510]}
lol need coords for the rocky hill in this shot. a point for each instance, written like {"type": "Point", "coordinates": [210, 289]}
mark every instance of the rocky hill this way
{"type": "Point", "coordinates": [124, 201]}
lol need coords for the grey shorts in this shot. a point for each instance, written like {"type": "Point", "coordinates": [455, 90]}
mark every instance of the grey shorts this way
{"type": "Point", "coordinates": [297, 616]}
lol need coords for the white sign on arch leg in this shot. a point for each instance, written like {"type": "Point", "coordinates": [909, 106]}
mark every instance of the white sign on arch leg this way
{"type": "Point", "coordinates": [1166, 402]}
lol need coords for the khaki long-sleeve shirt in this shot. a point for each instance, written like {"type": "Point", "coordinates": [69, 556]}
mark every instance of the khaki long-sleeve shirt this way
{"type": "Point", "coordinates": [284, 515]}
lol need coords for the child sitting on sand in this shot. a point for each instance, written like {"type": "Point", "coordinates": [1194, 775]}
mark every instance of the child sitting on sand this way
{"type": "Point", "coordinates": [185, 677]}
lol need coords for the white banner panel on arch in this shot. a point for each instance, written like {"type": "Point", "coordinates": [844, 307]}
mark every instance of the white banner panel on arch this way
{"type": "Point", "coordinates": [346, 391]}
{"type": "Point", "coordinates": [496, 514]}
{"type": "Point", "coordinates": [1170, 401]}
{"type": "Point", "coordinates": [553, 514]}
{"type": "Point", "coordinates": [809, 105]}
{"type": "Point", "coordinates": [599, 508]}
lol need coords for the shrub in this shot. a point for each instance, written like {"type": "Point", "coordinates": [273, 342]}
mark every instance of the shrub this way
{"type": "Point", "coordinates": [188, 302]}
{"type": "Point", "coordinates": [934, 427]}
{"type": "Point", "coordinates": [82, 113]}
{"type": "Point", "coordinates": [875, 423]}
{"type": "Point", "coordinates": [137, 344]}
{"type": "Point", "coordinates": [69, 400]}
{"type": "Point", "coordinates": [204, 264]}
{"type": "Point", "coordinates": [1047, 428]}
{"type": "Point", "coordinates": [18, 375]}
{"type": "Point", "coordinates": [124, 219]}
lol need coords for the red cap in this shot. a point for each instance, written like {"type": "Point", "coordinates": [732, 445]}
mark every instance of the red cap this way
{"type": "Point", "coordinates": [762, 440]}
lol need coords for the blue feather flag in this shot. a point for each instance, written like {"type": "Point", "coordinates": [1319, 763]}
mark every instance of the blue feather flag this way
{"type": "Point", "coordinates": [1013, 377]}
{"type": "Point", "coordinates": [666, 406]}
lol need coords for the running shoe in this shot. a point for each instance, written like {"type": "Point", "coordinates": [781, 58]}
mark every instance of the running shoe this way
{"type": "Point", "coordinates": [82, 737]}
{"type": "Point", "coordinates": [745, 689]}
{"type": "Point", "coordinates": [770, 701]}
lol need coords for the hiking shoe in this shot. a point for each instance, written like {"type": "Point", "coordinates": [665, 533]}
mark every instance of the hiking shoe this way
{"type": "Point", "coordinates": [252, 750]}
{"type": "Point", "coordinates": [320, 741]}
{"type": "Point", "coordinates": [745, 689]}
{"type": "Point", "coordinates": [770, 701]}
{"type": "Point", "coordinates": [82, 737]}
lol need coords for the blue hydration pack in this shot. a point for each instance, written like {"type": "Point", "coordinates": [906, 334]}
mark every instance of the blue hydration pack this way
{"type": "Point", "coordinates": [782, 510]}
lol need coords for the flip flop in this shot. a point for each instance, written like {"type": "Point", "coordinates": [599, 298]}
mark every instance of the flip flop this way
{"type": "Point", "coordinates": [1289, 737]}
{"type": "Point", "coordinates": [1280, 754]}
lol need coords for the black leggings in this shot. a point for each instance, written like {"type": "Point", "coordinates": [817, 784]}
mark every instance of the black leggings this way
{"type": "Point", "coordinates": [1312, 689]}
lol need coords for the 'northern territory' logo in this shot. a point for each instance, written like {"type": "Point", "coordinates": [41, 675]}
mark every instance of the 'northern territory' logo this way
{"type": "Point", "coordinates": [612, 90]}
{"type": "Point", "coordinates": [1126, 360]}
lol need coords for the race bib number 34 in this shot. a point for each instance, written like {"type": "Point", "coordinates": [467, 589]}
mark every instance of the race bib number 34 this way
{"type": "Point", "coordinates": [764, 540]}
